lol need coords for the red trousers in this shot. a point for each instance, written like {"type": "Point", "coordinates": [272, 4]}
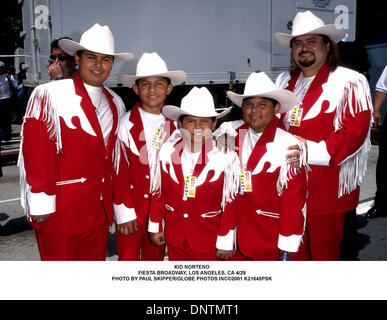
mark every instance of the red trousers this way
{"type": "Point", "coordinates": [185, 253]}
{"type": "Point", "coordinates": [325, 234]}
{"type": "Point", "coordinates": [88, 246]}
{"type": "Point", "coordinates": [137, 246]}
{"type": "Point", "coordinates": [323, 237]}
{"type": "Point", "coordinates": [301, 255]}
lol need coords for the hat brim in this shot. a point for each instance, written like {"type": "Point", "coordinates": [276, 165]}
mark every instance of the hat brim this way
{"type": "Point", "coordinates": [71, 47]}
{"type": "Point", "coordinates": [285, 98]}
{"type": "Point", "coordinates": [174, 113]}
{"type": "Point", "coordinates": [329, 30]}
{"type": "Point", "coordinates": [177, 77]}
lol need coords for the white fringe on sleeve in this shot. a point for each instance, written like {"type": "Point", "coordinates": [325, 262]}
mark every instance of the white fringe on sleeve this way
{"type": "Point", "coordinates": [288, 171]}
{"type": "Point", "coordinates": [231, 179]}
{"type": "Point", "coordinates": [38, 108]}
{"type": "Point", "coordinates": [356, 99]}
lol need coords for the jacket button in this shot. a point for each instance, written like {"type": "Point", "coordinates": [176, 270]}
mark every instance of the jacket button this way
{"type": "Point", "coordinates": [185, 215]}
{"type": "Point", "coordinates": [147, 177]}
{"type": "Point", "coordinates": [146, 196]}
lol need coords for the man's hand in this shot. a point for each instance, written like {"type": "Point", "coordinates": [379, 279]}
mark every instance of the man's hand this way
{"type": "Point", "coordinates": [158, 239]}
{"type": "Point", "coordinates": [55, 70]}
{"type": "Point", "coordinates": [380, 98]}
{"type": "Point", "coordinates": [284, 256]}
{"type": "Point", "coordinates": [224, 254]}
{"type": "Point", "coordinates": [127, 228]}
{"type": "Point", "coordinates": [377, 119]}
{"type": "Point", "coordinates": [294, 157]}
{"type": "Point", "coordinates": [40, 219]}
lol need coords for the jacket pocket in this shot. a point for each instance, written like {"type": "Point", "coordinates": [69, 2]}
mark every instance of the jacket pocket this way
{"type": "Point", "coordinates": [66, 182]}
{"type": "Point", "coordinates": [211, 214]}
{"type": "Point", "coordinates": [268, 214]}
{"type": "Point", "coordinates": [169, 208]}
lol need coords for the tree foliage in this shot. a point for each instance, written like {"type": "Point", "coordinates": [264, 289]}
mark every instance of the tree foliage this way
{"type": "Point", "coordinates": [10, 26]}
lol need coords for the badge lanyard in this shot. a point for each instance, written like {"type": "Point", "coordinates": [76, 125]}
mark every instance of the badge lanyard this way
{"type": "Point", "coordinates": [296, 115]}
{"type": "Point", "coordinates": [158, 137]}
{"type": "Point", "coordinates": [245, 180]}
{"type": "Point", "coordinates": [190, 181]}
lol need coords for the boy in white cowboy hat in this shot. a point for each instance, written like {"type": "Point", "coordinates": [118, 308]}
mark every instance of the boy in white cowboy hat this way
{"type": "Point", "coordinates": [68, 136]}
{"type": "Point", "coordinates": [142, 130]}
{"type": "Point", "coordinates": [195, 186]}
{"type": "Point", "coordinates": [333, 118]}
{"type": "Point", "coordinates": [272, 200]}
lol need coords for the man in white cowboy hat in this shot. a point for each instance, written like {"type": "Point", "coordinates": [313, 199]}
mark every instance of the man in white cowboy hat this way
{"type": "Point", "coordinates": [68, 136]}
{"type": "Point", "coordinates": [142, 130]}
{"type": "Point", "coordinates": [333, 118]}
{"type": "Point", "coordinates": [195, 186]}
{"type": "Point", "coordinates": [272, 200]}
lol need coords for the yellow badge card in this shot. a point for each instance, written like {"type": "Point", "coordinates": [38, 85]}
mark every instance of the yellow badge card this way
{"type": "Point", "coordinates": [158, 139]}
{"type": "Point", "coordinates": [295, 120]}
{"type": "Point", "coordinates": [245, 181]}
{"type": "Point", "coordinates": [189, 187]}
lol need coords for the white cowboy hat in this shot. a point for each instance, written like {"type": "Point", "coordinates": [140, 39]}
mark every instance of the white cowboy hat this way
{"type": "Point", "coordinates": [198, 103]}
{"type": "Point", "coordinates": [152, 65]}
{"type": "Point", "coordinates": [307, 23]}
{"type": "Point", "coordinates": [260, 85]}
{"type": "Point", "coordinates": [97, 39]}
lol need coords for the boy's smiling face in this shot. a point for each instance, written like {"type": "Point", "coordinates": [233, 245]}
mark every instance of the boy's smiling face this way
{"type": "Point", "coordinates": [94, 68]}
{"type": "Point", "coordinates": [196, 130]}
{"type": "Point", "coordinates": [152, 92]}
{"type": "Point", "coordinates": [259, 112]}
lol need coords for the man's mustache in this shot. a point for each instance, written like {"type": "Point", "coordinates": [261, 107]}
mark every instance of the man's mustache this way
{"type": "Point", "coordinates": [303, 52]}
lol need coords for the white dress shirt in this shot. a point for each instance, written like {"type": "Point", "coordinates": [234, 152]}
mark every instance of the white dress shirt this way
{"type": "Point", "coordinates": [102, 109]}
{"type": "Point", "coordinates": [249, 143]}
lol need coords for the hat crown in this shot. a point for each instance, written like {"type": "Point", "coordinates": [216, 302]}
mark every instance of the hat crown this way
{"type": "Point", "coordinates": [257, 83]}
{"type": "Point", "coordinates": [198, 101]}
{"type": "Point", "coordinates": [305, 22]}
{"type": "Point", "coordinates": [260, 85]}
{"type": "Point", "coordinates": [151, 63]}
{"type": "Point", "coordinates": [98, 39]}
{"type": "Point", "coordinates": [308, 23]}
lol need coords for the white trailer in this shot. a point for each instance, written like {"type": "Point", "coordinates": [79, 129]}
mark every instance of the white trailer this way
{"type": "Point", "coordinates": [213, 41]}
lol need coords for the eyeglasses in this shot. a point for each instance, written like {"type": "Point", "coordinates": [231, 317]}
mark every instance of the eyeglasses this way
{"type": "Point", "coordinates": [60, 58]}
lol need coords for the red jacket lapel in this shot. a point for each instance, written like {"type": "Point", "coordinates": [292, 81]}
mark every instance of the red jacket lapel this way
{"type": "Point", "coordinates": [137, 131]}
{"type": "Point", "coordinates": [260, 147]}
{"type": "Point", "coordinates": [315, 89]}
{"type": "Point", "coordinates": [202, 160]}
{"type": "Point", "coordinates": [88, 107]}
{"type": "Point", "coordinates": [113, 109]}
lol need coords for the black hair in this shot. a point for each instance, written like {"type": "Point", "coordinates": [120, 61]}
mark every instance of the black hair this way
{"type": "Point", "coordinates": [55, 45]}
{"type": "Point", "coordinates": [79, 53]}
{"type": "Point", "coordinates": [273, 101]}
{"type": "Point", "coordinates": [181, 118]}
